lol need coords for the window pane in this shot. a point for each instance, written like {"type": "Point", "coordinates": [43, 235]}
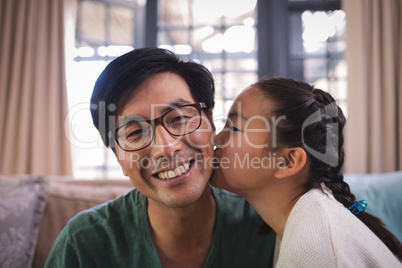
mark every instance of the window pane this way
{"type": "Point", "coordinates": [317, 45]}
{"type": "Point", "coordinates": [236, 82]}
{"type": "Point", "coordinates": [121, 26]}
{"type": "Point", "coordinates": [105, 29]}
{"type": "Point", "coordinates": [214, 65]}
{"type": "Point", "coordinates": [296, 68]}
{"type": "Point", "coordinates": [91, 158]}
{"type": "Point", "coordinates": [315, 68]}
{"type": "Point", "coordinates": [173, 13]}
{"type": "Point", "coordinates": [173, 37]}
{"type": "Point", "coordinates": [205, 39]}
{"type": "Point", "coordinates": [320, 27]}
{"type": "Point", "coordinates": [240, 11]}
{"type": "Point", "coordinates": [204, 14]}
{"type": "Point", "coordinates": [246, 64]}
{"type": "Point", "coordinates": [216, 12]}
{"type": "Point", "coordinates": [92, 22]}
{"type": "Point", "coordinates": [222, 39]}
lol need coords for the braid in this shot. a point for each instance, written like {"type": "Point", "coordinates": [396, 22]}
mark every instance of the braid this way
{"type": "Point", "coordinates": [334, 180]}
{"type": "Point", "coordinates": [315, 123]}
{"type": "Point", "coordinates": [332, 176]}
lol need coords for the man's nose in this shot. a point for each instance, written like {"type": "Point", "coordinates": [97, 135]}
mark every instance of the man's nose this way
{"type": "Point", "coordinates": [164, 143]}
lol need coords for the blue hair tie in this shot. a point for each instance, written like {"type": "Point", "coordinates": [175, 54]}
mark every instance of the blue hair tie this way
{"type": "Point", "coordinates": [358, 207]}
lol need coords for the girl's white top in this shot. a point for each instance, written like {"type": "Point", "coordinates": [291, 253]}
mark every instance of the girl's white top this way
{"type": "Point", "coordinates": [321, 232]}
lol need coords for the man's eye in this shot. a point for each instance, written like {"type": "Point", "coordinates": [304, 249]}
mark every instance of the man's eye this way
{"type": "Point", "coordinates": [180, 118]}
{"type": "Point", "coordinates": [135, 133]}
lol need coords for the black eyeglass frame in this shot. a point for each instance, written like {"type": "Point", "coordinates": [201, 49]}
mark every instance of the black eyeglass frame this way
{"type": "Point", "coordinates": [159, 121]}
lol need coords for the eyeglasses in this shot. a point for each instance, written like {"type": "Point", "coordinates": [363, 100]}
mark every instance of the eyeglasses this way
{"type": "Point", "coordinates": [137, 133]}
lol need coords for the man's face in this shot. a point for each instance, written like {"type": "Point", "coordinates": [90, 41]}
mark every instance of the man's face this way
{"type": "Point", "coordinates": [173, 171]}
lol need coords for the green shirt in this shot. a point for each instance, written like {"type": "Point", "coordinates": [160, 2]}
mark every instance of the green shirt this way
{"type": "Point", "coordinates": [118, 234]}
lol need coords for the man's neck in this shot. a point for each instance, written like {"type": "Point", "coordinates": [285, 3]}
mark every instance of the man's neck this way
{"type": "Point", "coordinates": [183, 236]}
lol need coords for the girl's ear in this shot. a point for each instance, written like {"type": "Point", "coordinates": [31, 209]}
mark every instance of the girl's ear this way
{"type": "Point", "coordinates": [293, 160]}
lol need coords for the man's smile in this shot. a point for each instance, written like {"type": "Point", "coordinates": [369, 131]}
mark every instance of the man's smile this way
{"type": "Point", "coordinates": [174, 172]}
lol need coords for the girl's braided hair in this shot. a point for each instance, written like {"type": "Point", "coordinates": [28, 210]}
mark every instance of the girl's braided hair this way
{"type": "Point", "coordinates": [315, 123]}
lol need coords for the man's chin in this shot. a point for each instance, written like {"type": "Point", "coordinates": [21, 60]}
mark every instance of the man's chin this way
{"type": "Point", "coordinates": [187, 197]}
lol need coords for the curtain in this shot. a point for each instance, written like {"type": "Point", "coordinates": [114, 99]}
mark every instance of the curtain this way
{"type": "Point", "coordinates": [33, 95]}
{"type": "Point", "coordinates": [373, 133]}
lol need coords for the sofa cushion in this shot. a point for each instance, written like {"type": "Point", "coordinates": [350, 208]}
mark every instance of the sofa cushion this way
{"type": "Point", "coordinates": [68, 197]}
{"type": "Point", "coordinates": [22, 202]}
{"type": "Point", "coordinates": [383, 193]}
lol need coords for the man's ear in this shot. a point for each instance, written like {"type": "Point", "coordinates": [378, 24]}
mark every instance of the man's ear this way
{"type": "Point", "coordinates": [124, 172]}
{"type": "Point", "coordinates": [294, 159]}
{"type": "Point", "coordinates": [117, 153]}
{"type": "Point", "coordinates": [122, 169]}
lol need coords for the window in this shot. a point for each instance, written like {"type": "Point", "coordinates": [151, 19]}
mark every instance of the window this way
{"type": "Point", "coordinates": [222, 39]}
{"type": "Point", "coordinates": [250, 39]}
{"type": "Point", "coordinates": [105, 29]}
{"type": "Point", "coordinates": [304, 39]}
{"type": "Point", "coordinates": [316, 50]}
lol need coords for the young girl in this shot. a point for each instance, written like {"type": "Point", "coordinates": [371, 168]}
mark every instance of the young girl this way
{"type": "Point", "coordinates": [282, 150]}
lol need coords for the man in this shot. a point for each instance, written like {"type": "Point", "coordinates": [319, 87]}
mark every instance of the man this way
{"type": "Point", "coordinates": [155, 111]}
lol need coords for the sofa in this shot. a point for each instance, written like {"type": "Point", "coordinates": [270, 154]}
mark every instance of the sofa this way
{"type": "Point", "coordinates": [383, 193]}
{"type": "Point", "coordinates": [34, 209]}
